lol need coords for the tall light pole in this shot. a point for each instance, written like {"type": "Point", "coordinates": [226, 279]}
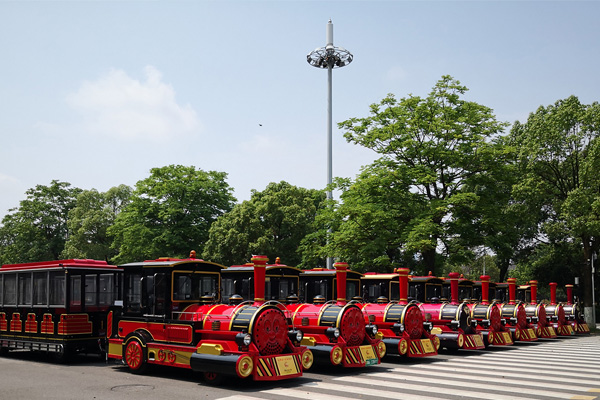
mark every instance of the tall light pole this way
{"type": "Point", "coordinates": [329, 57]}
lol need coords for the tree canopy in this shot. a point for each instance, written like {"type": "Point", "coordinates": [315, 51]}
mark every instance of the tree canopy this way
{"type": "Point", "coordinates": [272, 222]}
{"type": "Point", "coordinates": [436, 144]}
{"type": "Point", "coordinates": [37, 229]}
{"type": "Point", "coordinates": [170, 213]}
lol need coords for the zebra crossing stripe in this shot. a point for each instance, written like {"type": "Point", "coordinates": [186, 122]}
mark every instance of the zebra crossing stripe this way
{"type": "Point", "coordinates": [471, 383]}
{"type": "Point", "coordinates": [497, 373]}
{"type": "Point", "coordinates": [404, 385]}
{"type": "Point", "coordinates": [505, 382]}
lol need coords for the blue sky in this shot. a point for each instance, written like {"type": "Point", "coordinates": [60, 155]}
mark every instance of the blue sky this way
{"type": "Point", "coordinates": [96, 93]}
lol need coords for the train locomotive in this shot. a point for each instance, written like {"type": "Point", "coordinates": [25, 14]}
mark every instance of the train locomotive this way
{"type": "Point", "coordinates": [489, 321]}
{"type": "Point", "coordinates": [401, 323]}
{"type": "Point", "coordinates": [515, 315]}
{"type": "Point", "coordinates": [573, 313]}
{"type": "Point", "coordinates": [555, 313]}
{"type": "Point", "coordinates": [536, 311]}
{"type": "Point", "coordinates": [334, 330]}
{"type": "Point", "coordinates": [452, 322]}
{"type": "Point", "coordinates": [171, 316]}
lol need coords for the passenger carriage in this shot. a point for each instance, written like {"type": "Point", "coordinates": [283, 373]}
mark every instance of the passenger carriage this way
{"type": "Point", "coordinates": [58, 307]}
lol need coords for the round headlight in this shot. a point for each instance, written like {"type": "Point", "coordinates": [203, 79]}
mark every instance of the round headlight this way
{"type": "Point", "coordinates": [336, 333]}
{"type": "Point", "coordinates": [299, 336]}
{"type": "Point", "coordinates": [247, 339]}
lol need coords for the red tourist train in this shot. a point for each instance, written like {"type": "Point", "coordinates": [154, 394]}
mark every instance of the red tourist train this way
{"type": "Point", "coordinates": [58, 307]}
{"type": "Point", "coordinates": [573, 313]}
{"type": "Point", "coordinates": [514, 313]}
{"type": "Point", "coordinates": [536, 311]}
{"type": "Point", "coordinates": [335, 330]}
{"type": "Point", "coordinates": [401, 323]}
{"type": "Point", "coordinates": [488, 318]}
{"type": "Point", "coordinates": [452, 322]}
{"type": "Point", "coordinates": [171, 316]}
{"type": "Point", "coordinates": [556, 314]}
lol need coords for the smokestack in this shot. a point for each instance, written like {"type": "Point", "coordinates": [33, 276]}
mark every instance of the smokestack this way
{"type": "Point", "coordinates": [569, 294]}
{"type": "Point", "coordinates": [453, 287]}
{"type": "Point", "coordinates": [512, 282]}
{"type": "Point", "coordinates": [553, 293]}
{"type": "Point", "coordinates": [485, 289]}
{"type": "Point", "coordinates": [340, 274]}
{"type": "Point", "coordinates": [403, 280]}
{"type": "Point", "coordinates": [260, 266]}
{"type": "Point", "coordinates": [533, 291]}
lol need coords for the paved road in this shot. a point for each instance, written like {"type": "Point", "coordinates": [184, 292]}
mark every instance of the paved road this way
{"type": "Point", "coordinates": [560, 369]}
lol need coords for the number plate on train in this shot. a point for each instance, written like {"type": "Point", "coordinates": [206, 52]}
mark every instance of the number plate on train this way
{"type": "Point", "coordinates": [427, 346]}
{"type": "Point", "coordinates": [368, 355]}
{"type": "Point", "coordinates": [478, 340]}
{"type": "Point", "coordinates": [286, 365]}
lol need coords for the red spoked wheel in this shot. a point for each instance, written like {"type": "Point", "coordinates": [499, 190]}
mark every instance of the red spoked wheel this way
{"type": "Point", "coordinates": [352, 326]}
{"type": "Point", "coordinates": [135, 356]}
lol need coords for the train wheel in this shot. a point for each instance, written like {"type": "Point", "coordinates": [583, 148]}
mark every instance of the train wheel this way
{"type": "Point", "coordinates": [213, 379]}
{"type": "Point", "coordinates": [64, 355]}
{"type": "Point", "coordinates": [135, 356]}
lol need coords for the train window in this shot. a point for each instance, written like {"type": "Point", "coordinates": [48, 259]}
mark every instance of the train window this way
{"type": "Point", "coordinates": [394, 291]}
{"type": "Point", "coordinates": [105, 293]}
{"type": "Point", "coordinates": [10, 290]}
{"type": "Point", "coordinates": [90, 291]}
{"type": "Point", "coordinates": [227, 288]}
{"type": "Point", "coordinates": [134, 293]}
{"type": "Point", "coordinates": [433, 291]}
{"type": "Point", "coordinates": [40, 288]}
{"type": "Point", "coordinates": [160, 294]}
{"type": "Point", "coordinates": [351, 290]}
{"type": "Point", "coordinates": [182, 287]}
{"type": "Point", "coordinates": [75, 293]}
{"type": "Point", "coordinates": [25, 289]}
{"type": "Point", "coordinates": [208, 285]}
{"type": "Point", "coordinates": [57, 289]}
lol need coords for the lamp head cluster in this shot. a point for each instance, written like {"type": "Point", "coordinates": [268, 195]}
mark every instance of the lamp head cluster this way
{"type": "Point", "coordinates": [329, 56]}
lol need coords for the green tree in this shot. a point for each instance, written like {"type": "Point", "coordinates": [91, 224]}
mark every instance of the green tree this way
{"type": "Point", "coordinates": [559, 151]}
{"type": "Point", "coordinates": [370, 223]}
{"type": "Point", "coordinates": [170, 213]}
{"type": "Point", "coordinates": [37, 229]}
{"type": "Point", "coordinates": [89, 221]}
{"type": "Point", "coordinates": [437, 143]}
{"type": "Point", "coordinates": [272, 222]}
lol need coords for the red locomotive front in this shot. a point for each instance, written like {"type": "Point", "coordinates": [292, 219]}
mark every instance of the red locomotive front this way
{"type": "Point", "coordinates": [536, 312]}
{"type": "Point", "coordinates": [489, 321]}
{"type": "Point", "coordinates": [336, 331]}
{"type": "Point", "coordinates": [171, 317]}
{"type": "Point", "coordinates": [574, 315]}
{"type": "Point", "coordinates": [555, 313]}
{"type": "Point", "coordinates": [516, 317]}
{"type": "Point", "coordinates": [452, 322]}
{"type": "Point", "coordinates": [402, 324]}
